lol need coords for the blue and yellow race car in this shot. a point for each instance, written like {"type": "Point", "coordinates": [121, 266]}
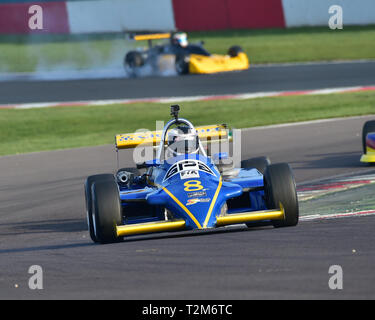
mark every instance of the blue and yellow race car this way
{"type": "Point", "coordinates": [186, 187]}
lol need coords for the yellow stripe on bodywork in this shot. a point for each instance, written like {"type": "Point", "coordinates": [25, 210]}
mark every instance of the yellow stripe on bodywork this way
{"type": "Point", "coordinates": [213, 203]}
{"type": "Point", "coordinates": [183, 207]}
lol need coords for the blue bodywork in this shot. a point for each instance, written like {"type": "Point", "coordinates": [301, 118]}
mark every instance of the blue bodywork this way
{"type": "Point", "coordinates": [191, 188]}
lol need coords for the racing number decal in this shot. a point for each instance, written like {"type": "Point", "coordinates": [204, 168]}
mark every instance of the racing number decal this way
{"type": "Point", "coordinates": [193, 185]}
{"type": "Point", "coordinates": [188, 169]}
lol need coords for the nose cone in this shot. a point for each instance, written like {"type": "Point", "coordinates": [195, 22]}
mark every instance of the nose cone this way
{"type": "Point", "coordinates": [198, 202]}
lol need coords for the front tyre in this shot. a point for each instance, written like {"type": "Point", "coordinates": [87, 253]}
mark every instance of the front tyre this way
{"type": "Point", "coordinates": [133, 61]}
{"type": "Point", "coordinates": [259, 163]}
{"type": "Point", "coordinates": [88, 184]}
{"type": "Point", "coordinates": [107, 213]}
{"type": "Point", "coordinates": [280, 187]}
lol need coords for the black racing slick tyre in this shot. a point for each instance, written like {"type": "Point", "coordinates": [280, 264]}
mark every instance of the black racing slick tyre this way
{"type": "Point", "coordinates": [368, 127]}
{"type": "Point", "coordinates": [259, 163]}
{"type": "Point", "coordinates": [182, 64]}
{"type": "Point", "coordinates": [234, 51]}
{"type": "Point", "coordinates": [280, 187]}
{"type": "Point", "coordinates": [132, 62]}
{"type": "Point", "coordinates": [106, 210]}
{"type": "Point", "coordinates": [89, 181]}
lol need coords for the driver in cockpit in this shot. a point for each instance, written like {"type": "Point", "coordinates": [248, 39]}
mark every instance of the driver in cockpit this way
{"type": "Point", "coordinates": [182, 140]}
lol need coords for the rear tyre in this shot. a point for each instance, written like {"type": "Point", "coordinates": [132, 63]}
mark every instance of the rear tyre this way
{"type": "Point", "coordinates": [132, 62]}
{"type": "Point", "coordinates": [280, 187]}
{"type": "Point", "coordinates": [259, 163]}
{"type": "Point", "coordinates": [182, 64]}
{"type": "Point", "coordinates": [106, 209]}
{"type": "Point", "coordinates": [89, 181]}
{"type": "Point", "coordinates": [234, 51]}
{"type": "Point", "coordinates": [368, 127]}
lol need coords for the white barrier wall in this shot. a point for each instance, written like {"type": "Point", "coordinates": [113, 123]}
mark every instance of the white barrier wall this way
{"type": "Point", "coordinates": [315, 12]}
{"type": "Point", "coordinates": [98, 16]}
{"type": "Point", "coordinates": [120, 15]}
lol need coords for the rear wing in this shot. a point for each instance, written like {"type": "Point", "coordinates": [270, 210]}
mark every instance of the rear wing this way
{"type": "Point", "coordinates": [207, 134]}
{"type": "Point", "coordinates": [151, 36]}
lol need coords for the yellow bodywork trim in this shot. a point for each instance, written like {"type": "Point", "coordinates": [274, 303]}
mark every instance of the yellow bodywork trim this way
{"type": "Point", "coordinates": [132, 140]}
{"type": "Point", "coordinates": [217, 63]}
{"type": "Point", "coordinates": [236, 218]}
{"type": "Point", "coordinates": [154, 36]}
{"type": "Point", "coordinates": [212, 203]}
{"type": "Point", "coordinates": [149, 227]}
{"type": "Point", "coordinates": [369, 156]}
{"type": "Point", "coordinates": [183, 207]}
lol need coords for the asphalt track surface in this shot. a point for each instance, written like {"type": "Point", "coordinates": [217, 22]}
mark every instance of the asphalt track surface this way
{"type": "Point", "coordinates": [42, 222]}
{"type": "Point", "coordinates": [256, 79]}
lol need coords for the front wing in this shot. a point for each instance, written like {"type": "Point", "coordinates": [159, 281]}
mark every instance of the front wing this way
{"type": "Point", "coordinates": [179, 225]}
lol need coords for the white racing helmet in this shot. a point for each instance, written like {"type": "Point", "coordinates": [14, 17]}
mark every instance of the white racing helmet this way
{"type": "Point", "coordinates": [182, 140]}
{"type": "Point", "coordinates": [181, 39]}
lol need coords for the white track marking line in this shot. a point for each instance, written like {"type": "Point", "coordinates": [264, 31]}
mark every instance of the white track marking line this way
{"type": "Point", "coordinates": [337, 215]}
{"type": "Point", "coordinates": [343, 183]}
{"type": "Point", "coordinates": [242, 96]}
{"type": "Point", "coordinates": [339, 184]}
{"type": "Point", "coordinates": [316, 217]}
{"type": "Point", "coordinates": [303, 123]}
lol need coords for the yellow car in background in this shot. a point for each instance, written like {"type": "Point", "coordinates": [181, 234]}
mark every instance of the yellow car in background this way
{"type": "Point", "coordinates": [184, 57]}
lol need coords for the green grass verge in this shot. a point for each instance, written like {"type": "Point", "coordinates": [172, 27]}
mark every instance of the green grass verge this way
{"type": "Point", "coordinates": [44, 52]}
{"type": "Point", "coordinates": [31, 130]}
{"type": "Point", "coordinates": [297, 44]}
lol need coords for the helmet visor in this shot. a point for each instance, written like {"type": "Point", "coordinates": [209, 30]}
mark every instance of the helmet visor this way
{"type": "Point", "coordinates": [184, 144]}
{"type": "Point", "coordinates": [182, 39]}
